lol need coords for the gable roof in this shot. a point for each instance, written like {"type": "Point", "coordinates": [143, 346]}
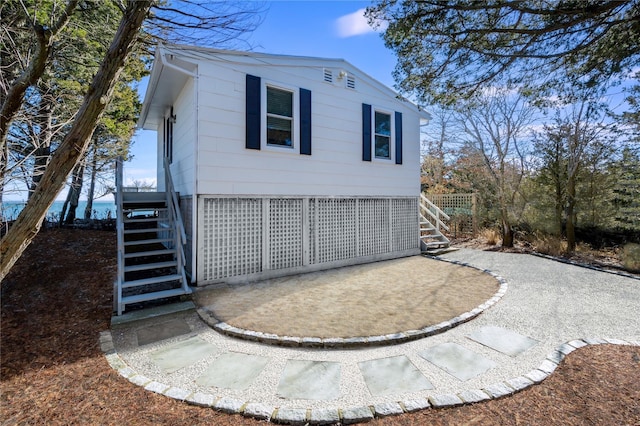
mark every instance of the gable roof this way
{"type": "Point", "coordinates": [179, 62]}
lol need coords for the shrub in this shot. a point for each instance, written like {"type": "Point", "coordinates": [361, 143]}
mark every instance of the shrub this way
{"type": "Point", "coordinates": [630, 257]}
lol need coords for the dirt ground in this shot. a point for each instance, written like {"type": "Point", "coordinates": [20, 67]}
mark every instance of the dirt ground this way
{"type": "Point", "coordinates": [364, 300]}
{"type": "Point", "coordinates": [58, 298]}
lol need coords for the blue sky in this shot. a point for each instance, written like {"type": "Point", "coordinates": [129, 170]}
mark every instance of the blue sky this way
{"type": "Point", "coordinates": [332, 29]}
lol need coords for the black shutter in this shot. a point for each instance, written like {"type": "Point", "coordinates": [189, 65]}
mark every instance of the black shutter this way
{"type": "Point", "coordinates": [366, 132]}
{"type": "Point", "coordinates": [305, 121]}
{"type": "Point", "coordinates": [253, 117]}
{"type": "Point", "coordinates": [398, 137]}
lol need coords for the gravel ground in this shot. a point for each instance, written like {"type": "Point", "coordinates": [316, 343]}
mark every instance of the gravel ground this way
{"type": "Point", "coordinates": [548, 301]}
{"type": "Point", "coordinates": [57, 299]}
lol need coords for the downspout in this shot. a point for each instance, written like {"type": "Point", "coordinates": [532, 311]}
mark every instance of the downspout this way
{"type": "Point", "coordinates": [194, 198]}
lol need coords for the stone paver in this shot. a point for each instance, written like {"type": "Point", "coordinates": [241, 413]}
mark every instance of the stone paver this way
{"type": "Point", "coordinates": [317, 380]}
{"type": "Point", "coordinates": [457, 360]}
{"type": "Point", "coordinates": [233, 370]}
{"type": "Point", "coordinates": [395, 375]}
{"type": "Point", "coordinates": [182, 354]}
{"type": "Point", "coordinates": [163, 330]}
{"type": "Point", "coordinates": [503, 340]}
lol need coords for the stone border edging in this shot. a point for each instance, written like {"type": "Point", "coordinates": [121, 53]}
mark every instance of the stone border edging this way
{"type": "Point", "coordinates": [352, 342]}
{"type": "Point", "coordinates": [296, 416]}
{"type": "Point", "coordinates": [583, 265]}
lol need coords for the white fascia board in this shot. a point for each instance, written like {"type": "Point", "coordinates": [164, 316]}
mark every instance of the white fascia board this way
{"type": "Point", "coordinates": [161, 65]}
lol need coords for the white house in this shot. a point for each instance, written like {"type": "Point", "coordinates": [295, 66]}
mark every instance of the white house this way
{"type": "Point", "coordinates": [283, 164]}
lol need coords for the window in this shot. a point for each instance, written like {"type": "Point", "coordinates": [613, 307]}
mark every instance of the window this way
{"type": "Point", "coordinates": [279, 117]}
{"type": "Point", "coordinates": [382, 135]}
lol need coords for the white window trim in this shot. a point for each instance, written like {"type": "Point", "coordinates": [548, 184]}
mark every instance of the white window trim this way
{"type": "Point", "coordinates": [295, 132]}
{"type": "Point", "coordinates": [392, 136]}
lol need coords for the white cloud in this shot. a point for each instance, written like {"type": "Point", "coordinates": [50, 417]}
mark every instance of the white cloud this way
{"type": "Point", "coordinates": [355, 24]}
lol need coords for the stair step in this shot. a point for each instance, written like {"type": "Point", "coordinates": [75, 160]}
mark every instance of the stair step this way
{"type": "Point", "coordinates": [145, 230]}
{"type": "Point", "coordinates": [436, 244]}
{"type": "Point", "coordinates": [147, 266]}
{"type": "Point", "coordinates": [149, 253]}
{"type": "Point", "coordinates": [434, 237]}
{"type": "Point", "coordinates": [151, 241]}
{"type": "Point", "coordinates": [144, 209]}
{"type": "Point", "coordinates": [142, 219]}
{"type": "Point", "coordinates": [127, 300]}
{"type": "Point", "coordinates": [427, 229]}
{"type": "Point", "coordinates": [152, 280]}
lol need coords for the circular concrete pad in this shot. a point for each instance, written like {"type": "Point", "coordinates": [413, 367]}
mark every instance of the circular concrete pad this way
{"type": "Point", "coordinates": [364, 300]}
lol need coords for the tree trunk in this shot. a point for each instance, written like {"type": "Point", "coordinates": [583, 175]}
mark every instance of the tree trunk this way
{"type": "Point", "coordinates": [571, 202]}
{"type": "Point", "coordinates": [507, 231]}
{"type": "Point", "coordinates": [74, 193]}
{"type": "Point", "coordinates": [92, 184]}
{"type": "Point", "coordinates": [559, 208]}
{"type": "Point", "coordinates": [75, 142]}
{"type": "Point", "coordinates": [43, 150]}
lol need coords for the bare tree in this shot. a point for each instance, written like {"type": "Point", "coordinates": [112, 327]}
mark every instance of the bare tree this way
{"type": "Point", "coordinates": [494, 125]}
{"type": "Point", "coordinates": [578, 137]}
{"type": "Point", "coordinates": [435, 146]}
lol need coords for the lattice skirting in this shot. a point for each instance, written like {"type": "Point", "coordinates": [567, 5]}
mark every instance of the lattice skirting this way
{"type": "Point", "coordinates": [242, 238]}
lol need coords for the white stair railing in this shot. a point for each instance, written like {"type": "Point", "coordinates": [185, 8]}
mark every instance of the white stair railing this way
{"type": "Point", "coordinates": [433, 212]}
{"type": "Point", "coordinates": [175, 217]}
{"type": "Point", "coordinates": [431, 237]}
{"type": "Point", "coordinates": [120, 236]}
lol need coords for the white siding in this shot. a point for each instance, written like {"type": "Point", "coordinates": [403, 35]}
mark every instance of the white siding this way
{"type": "Point", "coordinates": [184, 139]}
{"type": "Point", "coordinates": [226, 167]}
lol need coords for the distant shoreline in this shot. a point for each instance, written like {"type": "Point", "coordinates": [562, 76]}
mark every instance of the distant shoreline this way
{"type": "Point", "coordinates": [100, 210]}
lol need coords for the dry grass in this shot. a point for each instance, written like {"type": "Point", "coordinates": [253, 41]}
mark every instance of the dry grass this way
{"type": "Point", "coordinates": [549, 244]}
{"type": "Point", "coordinates": [490, 236]}
{"type": "Point", "coordinates": [630, 257]}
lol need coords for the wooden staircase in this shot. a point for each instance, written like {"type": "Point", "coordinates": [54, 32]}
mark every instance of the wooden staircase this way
{"type": "Point", "coordinates": [432, 240]}
{"type": "Point", "coordinates": [150, 247]}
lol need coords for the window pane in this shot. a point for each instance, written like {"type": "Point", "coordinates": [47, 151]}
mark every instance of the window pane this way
{"type": "Point", "coordinates": [278, 131]}
{"type": "Point", "coordinates": [279, 102]}
{"type": "Point", "coordinates": [382, 146]}
{"type": "Point", "coordinates": [383, 124]}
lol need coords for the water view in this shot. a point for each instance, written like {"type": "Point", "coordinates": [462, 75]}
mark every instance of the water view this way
{"type": "Point", "coordinates": [101, 210]}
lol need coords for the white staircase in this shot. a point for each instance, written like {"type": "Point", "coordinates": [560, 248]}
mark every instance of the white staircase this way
{"type": "Point", "coordinates": [431, 222]}
{"type": "Point", "coordinates": [150, 245]}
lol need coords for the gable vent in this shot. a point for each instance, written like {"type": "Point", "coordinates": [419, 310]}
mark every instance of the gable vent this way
{"type": "Point", "coordinates": [328, 75]}
{"type": "Point", "coordinates": [351, 82]}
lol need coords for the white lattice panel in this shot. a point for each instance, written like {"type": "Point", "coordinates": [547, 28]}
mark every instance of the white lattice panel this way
{"type": "Point", "coordinates": [405, 223]}
{"type": "Point", "coordinates": [374, 226]}
{"type": "Point", "coordinates": [313, 225]}
{"type": "Point", "coordinates": [232, 237]}
{"type": "Point", "coordinates": [336, 229]}
{"type": "Point", "coordinates": [243, 236]}
{"type": "Point", "coordinates": [285, 233]}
